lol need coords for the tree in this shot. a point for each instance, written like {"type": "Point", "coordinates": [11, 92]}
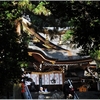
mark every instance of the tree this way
{"type": "Point", "coordinates": [12, 53]}
{"type": "Point", "coordinates": [83, 18]}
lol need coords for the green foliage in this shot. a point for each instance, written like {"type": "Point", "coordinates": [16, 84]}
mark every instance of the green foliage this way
{"type": "Point", "coordinates": [67, 35]}
{"type": "Point", "coordinates": [40, 9]}
{"type": "Point", "coordinates": [11, 51]}
{"type": "Point", "coordinates": [95, 54]}
{"type": "Point", "coordinates": [83, 17]}
{"type": "Point", "coordinates": [14, 55]}
{"type": "Point", "coordinates": [86, 24]}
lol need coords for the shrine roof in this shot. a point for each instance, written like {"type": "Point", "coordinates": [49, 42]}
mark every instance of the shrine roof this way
{"type": "Point", "coordinates": [60, 55]}
{"type": "Point", "coordinates": [51, 47]}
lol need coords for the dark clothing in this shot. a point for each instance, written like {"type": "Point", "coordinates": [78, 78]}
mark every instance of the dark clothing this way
{"type": "Point", "coordinates": [67, 91]}
{"type": "Point", "coordinates": [71, 91]}
{"type": "Point", "coordinates": [32, 87]}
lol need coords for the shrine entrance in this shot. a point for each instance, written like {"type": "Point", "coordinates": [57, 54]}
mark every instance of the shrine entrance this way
{"type": "Point", "coordinates": [50, 80]}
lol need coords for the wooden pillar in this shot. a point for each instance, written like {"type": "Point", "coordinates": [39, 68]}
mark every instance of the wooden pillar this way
{"type": "Point", "coordinates": [63, 79]}
{"type": "Point", "coordinates": [40, 80]}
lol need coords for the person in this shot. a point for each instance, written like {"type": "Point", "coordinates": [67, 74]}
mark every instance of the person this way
{"type": "Point", "coordinates": [25, 93]}
{"type": "Point", "coordinates": [41, 96]}
{"type": "Point", "coordinates": [32, 86]}
{"type": "Point", "coordinates": [71, 92]}
{"type": "Point", "coordinates": [45, 90]}
{"type": "Point", "coordinates": [41, 89]}
{"type": "Point", "coordinates": [23, 89]}
{"type": "Point", "coordinates": [66, 89]}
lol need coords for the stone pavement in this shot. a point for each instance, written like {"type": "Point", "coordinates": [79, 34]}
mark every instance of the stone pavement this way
{"type": "Point", "coordinates": [59, 95]}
